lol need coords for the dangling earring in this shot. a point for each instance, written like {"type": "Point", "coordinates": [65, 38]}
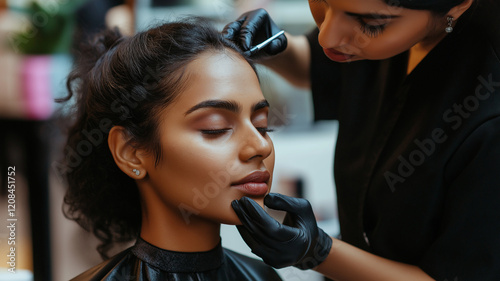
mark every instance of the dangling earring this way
{"type": "Point", "coordinates": [137, 172]}
{"type": "Point", "coordinates": [449, 28]}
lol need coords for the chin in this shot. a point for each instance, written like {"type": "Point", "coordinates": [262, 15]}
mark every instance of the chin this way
{"type": "Point", "coordinates": [259, 201]}
{"type": "Point", "coordinates": [232, 219]}
{"type": "Point", "coordinates": [356, 58]}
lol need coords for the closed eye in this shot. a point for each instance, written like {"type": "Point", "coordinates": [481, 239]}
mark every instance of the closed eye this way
{"type": "Point", "coordinates": [214, 132]}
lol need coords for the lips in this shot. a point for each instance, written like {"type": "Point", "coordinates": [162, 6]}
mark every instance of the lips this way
{"type": "Point", "coordinates": [336, 55]}
{"type": "Point", "coordinates": [254, 184]}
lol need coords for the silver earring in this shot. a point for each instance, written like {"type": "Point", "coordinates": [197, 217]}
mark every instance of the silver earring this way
{"type": "Point", "coordinates": [449, 28]}
{"type": "Point", "coordinates": [137, 172]}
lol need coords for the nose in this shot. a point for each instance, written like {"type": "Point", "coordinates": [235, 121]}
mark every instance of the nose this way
{"type": "Point", "coordinates": [255, 145]}
{"type": "Point", "coordinates": [335, 31]}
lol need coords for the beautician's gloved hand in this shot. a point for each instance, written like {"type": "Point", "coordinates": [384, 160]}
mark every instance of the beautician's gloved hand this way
{"type": "Point", "coordinates": [298, 241]}
{"type": "Point", "coordinates": [252, 28]}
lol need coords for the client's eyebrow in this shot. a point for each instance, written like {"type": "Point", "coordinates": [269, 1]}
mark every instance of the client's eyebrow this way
{"type": "Point", "coordinates": [223, 104]}
{"type": "Point", "coordinates": [372, 16]}
{"type": "Point", "coordinates": [227, 105]}
{"type": "Point", "coordinates": [260, 105]}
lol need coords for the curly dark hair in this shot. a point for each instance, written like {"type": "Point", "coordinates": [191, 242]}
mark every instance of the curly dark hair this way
{"type": "Point", "coordinates": [124, 81]}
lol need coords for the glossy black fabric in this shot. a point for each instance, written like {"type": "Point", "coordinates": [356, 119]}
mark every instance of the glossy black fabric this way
{"type": "Point", "coordinates": [145, 262]}
{"type": "Point", "coordinates": [417, 162]}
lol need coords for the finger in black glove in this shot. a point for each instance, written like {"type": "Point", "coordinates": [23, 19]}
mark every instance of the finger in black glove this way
{"type": "Point", "coordinates": [252, 28]}
{"type": "Point", "coordinates": [298, 241]}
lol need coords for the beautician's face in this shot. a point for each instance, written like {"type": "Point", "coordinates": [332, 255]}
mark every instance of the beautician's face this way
{"type": "Point", "coordinates": [371, 29]}
{"type": "Point", "coordinates": [214, 140]}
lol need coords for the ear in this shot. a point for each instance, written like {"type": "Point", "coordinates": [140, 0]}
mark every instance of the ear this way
{"type": "Point", "coordinates": [126, 156]}
{"type": "Point", "coordinates": [458, 10]}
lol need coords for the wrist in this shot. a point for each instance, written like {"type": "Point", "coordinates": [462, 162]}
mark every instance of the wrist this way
{"type": "Point", "coordinates": [318, 253]}
{"type": "Point", "coordinates": [293, 63]}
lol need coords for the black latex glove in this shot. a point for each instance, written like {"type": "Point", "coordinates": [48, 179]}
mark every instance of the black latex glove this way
{"type": "Point", "coordinates": [298, 241]}
{"type": "Point", "coordinates": [252, 28]}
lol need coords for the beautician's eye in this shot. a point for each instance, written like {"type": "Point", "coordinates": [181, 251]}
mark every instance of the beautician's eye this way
{"type": "Point", "coordinates": [264, 130]}
{"type": "Point", "coordinates": [372, 30]}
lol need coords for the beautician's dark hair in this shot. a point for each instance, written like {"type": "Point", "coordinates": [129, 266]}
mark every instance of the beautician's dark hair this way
{"type": "Point", "coordinates": [437, 6]}
{"type": "Point", "coordinates": [124, 81]}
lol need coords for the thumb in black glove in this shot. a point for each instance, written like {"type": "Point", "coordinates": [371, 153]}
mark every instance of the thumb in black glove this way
{"type": "Point", "coordinates": [252, 28]}
{"type": "Point", "coordinates": [298, 241]}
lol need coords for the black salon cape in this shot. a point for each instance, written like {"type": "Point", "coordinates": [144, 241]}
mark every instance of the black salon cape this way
{"type": "Point", "coordinates": [145, 262]}
{"type": "Point", "coordinates": [417, 160]}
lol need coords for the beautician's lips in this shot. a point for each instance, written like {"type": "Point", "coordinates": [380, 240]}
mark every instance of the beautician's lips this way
{"type": "Point", "coordinates": [336, 55]}
{"type": "Point", "coordinates": [254, 184]}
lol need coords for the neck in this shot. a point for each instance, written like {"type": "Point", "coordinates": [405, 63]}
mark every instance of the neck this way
{"type": "Point", "coordinates": [167, 228]}
{"type": "Point", "coordinates": [419, 51]}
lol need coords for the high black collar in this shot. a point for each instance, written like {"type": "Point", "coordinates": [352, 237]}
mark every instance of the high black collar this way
{"type": "Point", "coordinates": [171, 261]}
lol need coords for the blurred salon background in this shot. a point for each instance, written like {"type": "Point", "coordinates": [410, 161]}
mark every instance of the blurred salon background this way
{"type": "Point", "coordinates": [36, 41]}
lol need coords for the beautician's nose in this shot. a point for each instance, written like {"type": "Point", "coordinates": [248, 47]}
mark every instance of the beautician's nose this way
{"type": "Point", "coordinates": [336, 30]}
{"type": "Point", "coordinates": [255, 145]}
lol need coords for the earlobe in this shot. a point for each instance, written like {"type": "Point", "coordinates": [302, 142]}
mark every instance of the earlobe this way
{"type": "Point", "coordinates": [124, 154]}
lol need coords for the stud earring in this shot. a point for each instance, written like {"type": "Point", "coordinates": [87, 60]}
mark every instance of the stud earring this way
{"type": "Point", "coordinates": [449, 28]}
{"type": "Point", "coordinates": [137, 172]}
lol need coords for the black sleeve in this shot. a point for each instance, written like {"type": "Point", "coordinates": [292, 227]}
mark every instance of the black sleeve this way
{"type": "Point", "coordinates": [468, 246]}
{"type": "Point", "coordinates": [325, 81]}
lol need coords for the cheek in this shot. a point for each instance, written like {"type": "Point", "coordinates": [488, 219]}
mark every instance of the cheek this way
{"type": "Point", "coordinates": [318, 12]}
{"type": "Point", "coordinates": [197, 165]}
{"type": "Point", "coordinates": [187, 170]}
{"type": "Point", "coordinates": [205, 172]}
{"type": "Point", "coordinates": [269, 163]}
{"type": "Point", "coordinates": [394, 42]}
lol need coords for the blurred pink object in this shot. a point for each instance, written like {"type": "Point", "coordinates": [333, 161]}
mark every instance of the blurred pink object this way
{"type": "Point", "coordinates": [35, 85]}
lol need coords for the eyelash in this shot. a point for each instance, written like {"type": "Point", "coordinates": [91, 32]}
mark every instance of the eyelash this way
{"type": "Point", "coordinates": [214, 132]}
{"type": "Point", "coordinates": [262, 130]}
{"type": "Point", "coordinates": [370, 30]}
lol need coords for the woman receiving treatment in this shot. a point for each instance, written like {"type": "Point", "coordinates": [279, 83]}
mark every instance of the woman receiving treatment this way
{"type": "Point", "coordinates": [185, 133]}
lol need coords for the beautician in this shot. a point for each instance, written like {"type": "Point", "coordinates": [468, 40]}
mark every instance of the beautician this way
{"type": "Point", "coordinates": [415, 86]}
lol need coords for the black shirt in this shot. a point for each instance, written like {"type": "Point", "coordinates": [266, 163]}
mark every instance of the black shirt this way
{"type": "Point", "coordinates": [417, 160]}
{"type": "Point", "coordinates": [146, 262]}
